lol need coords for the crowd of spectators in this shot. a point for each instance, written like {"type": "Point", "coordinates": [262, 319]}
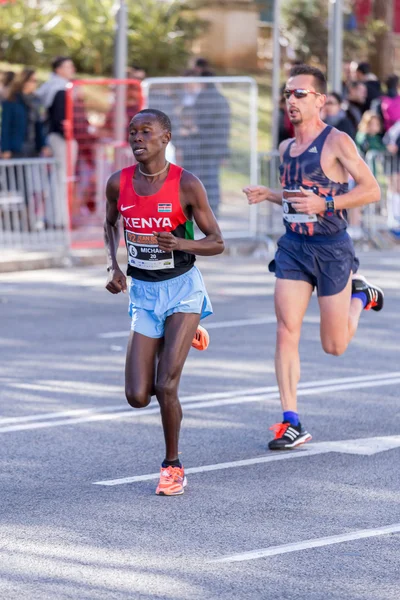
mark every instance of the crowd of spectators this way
{"type": "Point", "coordinates": [33, 124]}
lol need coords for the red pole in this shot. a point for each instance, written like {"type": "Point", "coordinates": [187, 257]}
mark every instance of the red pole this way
{"type": "Point", "coordinates": [68, 132]}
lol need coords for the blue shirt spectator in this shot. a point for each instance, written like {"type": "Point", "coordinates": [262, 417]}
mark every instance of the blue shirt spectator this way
{"type": "Point", "coordinates": [22, 131]}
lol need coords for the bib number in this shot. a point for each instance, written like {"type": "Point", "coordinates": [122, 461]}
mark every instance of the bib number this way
{"type": "Point", "coordinates": [290, 215]}
{"type": "Point", "coordinates": [144, 253]}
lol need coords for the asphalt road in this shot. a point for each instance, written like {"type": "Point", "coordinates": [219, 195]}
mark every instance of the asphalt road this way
{"type": "Point", "coordinates": [79, 518]}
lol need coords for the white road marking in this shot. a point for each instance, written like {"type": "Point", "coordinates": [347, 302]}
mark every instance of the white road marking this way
{"type": "Point", "coordinates": [196, 402]}
{"type": "Point", "coordinates": [361, 446]}
{"type": "Point", "coordinates": [98, 390]}
{"type": "Point", "coordinates": [359, 534]}
{"type": "Point", "coordinates": [218, 325]}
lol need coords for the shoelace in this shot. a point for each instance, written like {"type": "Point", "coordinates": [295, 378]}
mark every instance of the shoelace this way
{"type": "Point", "coordinates": [171, 472]}
{"type": "Point", "coordinates": [279, 429]}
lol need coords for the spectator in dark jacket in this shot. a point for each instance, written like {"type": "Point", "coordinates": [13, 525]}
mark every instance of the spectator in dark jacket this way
{"type": "Point", "coordinates": [213, 121]}
{"type": "Point", "coordinates": [6, 78]}
{"type": "Point", "coordinates": [355, 101]}
{"type": "Point", "coordinates": [333, 114]}
{"type": "Point", "coordinates": [374, 91]}
{"type": "Point", "coordinates": [53, 97]}
{"type": "Point", "coordinates": [22, 132]}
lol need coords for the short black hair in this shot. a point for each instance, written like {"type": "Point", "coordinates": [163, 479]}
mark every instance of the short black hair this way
{"type": "Point", "coordinates": [319, 77]}
{"type": "Point", "coordinates": [392, 82]}
{"type": "Point", "coordinates": [202, 63]}
{"type": "Point", "coordinates": [58, 61]}
{"type": "Point", "coordinates": [364, 68]}
{"type": "Point", "coordinates": [337, 96]}
{"type": "Point", "coordinates": [160, 116]}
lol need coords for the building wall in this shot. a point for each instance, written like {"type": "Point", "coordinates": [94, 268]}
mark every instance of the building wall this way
{"type": "Point", "coordinates": [231, 39]}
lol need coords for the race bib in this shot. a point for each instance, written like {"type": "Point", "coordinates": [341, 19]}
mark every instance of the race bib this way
{"type": "Point", "coordinates": [290, 214]}
{"type": "Point", "coordinates": [144, 253]}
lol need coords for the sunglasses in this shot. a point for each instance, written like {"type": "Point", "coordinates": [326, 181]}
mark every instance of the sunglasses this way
{"type": "Point", "coordinates": [299, 93]}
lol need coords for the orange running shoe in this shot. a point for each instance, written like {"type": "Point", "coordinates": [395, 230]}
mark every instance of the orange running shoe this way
{"type": "Point", "coordinates": [201, 339]}
{"type": "Point", "coordinates": [172, 481]}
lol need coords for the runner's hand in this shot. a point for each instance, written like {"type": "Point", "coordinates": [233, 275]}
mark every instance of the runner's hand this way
{"type": "Point", "coordinates": [166, 241]}
{"type": "Point", "coordinates": [309, 204]}
{"type": "Point", "coordinates": [256, 193]}
{"type": "Point", "coordinates": [116, 282]}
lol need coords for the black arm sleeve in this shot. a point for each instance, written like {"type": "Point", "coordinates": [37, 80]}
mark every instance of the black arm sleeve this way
{"type": "Point", "coordinates": [57, 113]}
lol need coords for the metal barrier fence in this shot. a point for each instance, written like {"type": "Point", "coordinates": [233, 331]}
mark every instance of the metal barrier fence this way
{"type": "Point", "coordinates": [368, 223]}
{"type": "Point", "coordinates": [386, 214]}
{"type": "Point", "coordinates": [270, 222]}
{"type": "Point", "coordinates": [31, 216]}
{"type": "Point", "coordinates": [214, 135]}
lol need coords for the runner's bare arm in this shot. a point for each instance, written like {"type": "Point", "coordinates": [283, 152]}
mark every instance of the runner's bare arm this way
{"type": "Point", "coordinates": [366, 190]}
{"type": "Point", "coordinates": [260, 193]}
{"type": "Point", "coordinates": [194, 199]}
{"type": "Point", "coordinates": [116, 282]}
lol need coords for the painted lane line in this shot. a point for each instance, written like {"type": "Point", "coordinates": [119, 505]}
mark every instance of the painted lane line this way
{"type": "Point", "coordinates": [351, 536]}
{"type": "Point", "coordinates": [361, 446]}
{"type": "Point", "coordinates": [190, 405]}
{"type": "Point", "coordinates": [218, 325]}
{"type": "Point", "coordinates": [74, 412]}
{"type": "Point", "coordinates": [217, 467]}
{"type": "Point", "coordinates": [47, 385]}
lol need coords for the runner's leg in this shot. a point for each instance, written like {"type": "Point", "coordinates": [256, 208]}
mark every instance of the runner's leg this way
{"type": "Point", "coordinates": [140, 368]}
{"type": "Point", "coordinates": [179, 331]}
{"type": "Point", "coordinates": [340, 315]}
{"type": "Point", "coordinates": [291, 300]}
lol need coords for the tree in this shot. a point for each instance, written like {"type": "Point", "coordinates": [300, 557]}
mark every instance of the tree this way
{"type": "Point", "coordinates": [306, 29]}
{"type": "Point", "coordinates": [159, 38]}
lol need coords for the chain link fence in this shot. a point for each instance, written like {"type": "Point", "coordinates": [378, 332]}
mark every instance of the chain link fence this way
{"type": "Point", "coordinates": [214, 136]}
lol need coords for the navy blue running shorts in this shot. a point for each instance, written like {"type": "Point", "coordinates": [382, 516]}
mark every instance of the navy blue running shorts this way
{"type": "Point", "coordinates": [325, 262]}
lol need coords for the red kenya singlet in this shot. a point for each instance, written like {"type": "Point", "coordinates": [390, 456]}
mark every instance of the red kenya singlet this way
{"type": "Point", "coordinates": [143, 215]}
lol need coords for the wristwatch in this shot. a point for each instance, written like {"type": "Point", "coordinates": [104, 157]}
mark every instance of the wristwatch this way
{"type": "Point", "coordinates": [330, 205]}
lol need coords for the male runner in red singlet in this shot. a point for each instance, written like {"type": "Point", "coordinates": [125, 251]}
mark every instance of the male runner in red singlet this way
{"type": "Point", "coordinates": [158, 202]}
{"type": "Point", "coordinates": [316, 250]}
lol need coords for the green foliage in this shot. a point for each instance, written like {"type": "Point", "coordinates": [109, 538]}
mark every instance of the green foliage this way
{"type": "Point", "coordinates": [306, 29]}
{"type": "Point", "coordinates": [159, 38]}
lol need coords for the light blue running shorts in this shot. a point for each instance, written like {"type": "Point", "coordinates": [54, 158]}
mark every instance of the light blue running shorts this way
{"type": "Point", "coordinates": [152, 302]}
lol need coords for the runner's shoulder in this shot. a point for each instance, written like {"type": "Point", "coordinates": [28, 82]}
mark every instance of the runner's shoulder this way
{"type": "Point", "coordinates": [112, 188]}
{"type": "Point", "coordinates": [283, 146]}
{"type": "Point", "coordinates": [339, 141]}
{"type": "Point", "coordinates": [190, 184]}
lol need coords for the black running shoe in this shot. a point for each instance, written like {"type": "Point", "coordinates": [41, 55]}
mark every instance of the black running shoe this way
{"type": "Point", "coordinates": [374, 294]}
{"type": "Point", "coordinates": [288, 436]}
